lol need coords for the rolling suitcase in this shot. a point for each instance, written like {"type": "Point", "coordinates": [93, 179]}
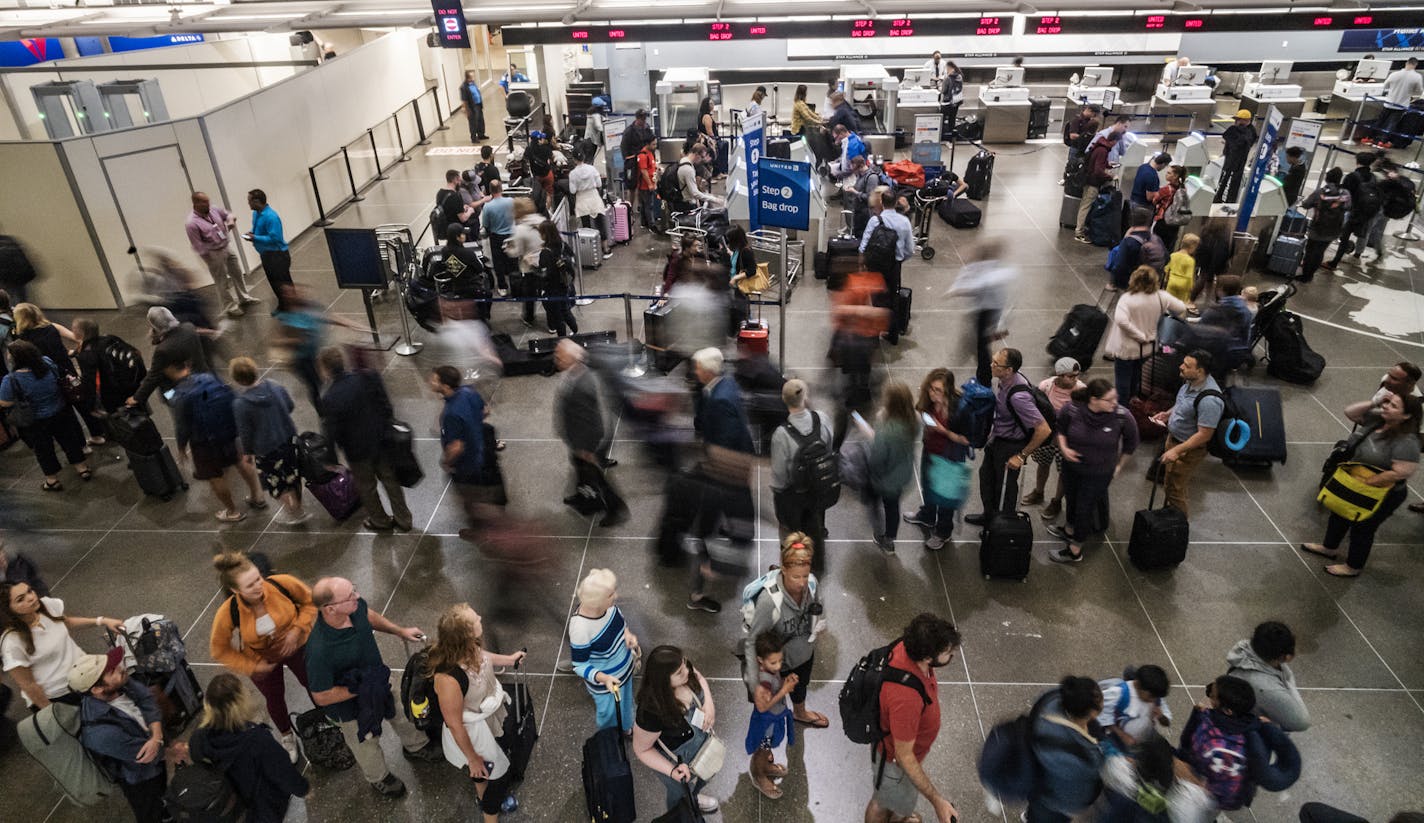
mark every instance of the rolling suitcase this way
{"type": "Point", "coordinates": [843, 258]}
{"type": "Point", "coordinates": [779, 147]}
{"type": "Point", "coordinates": [1159, 536]}
{"type": "Point", "coordinates": [959, 213]}
{"type": "Point", "coordinates": [133, 429]}
{"type": "Point", "coordinates": [1261, 409]}
{"type": "Point", "coordinates": [157, 473]}
{"type": "Point", "coordinates": [1286, 254]}
{"type": "Point", "coordinates": [1068, 211]}
{"type": "Point", "coordinates": [754, 337]}
{"type": "Point", "coordinates": [521, 731]}
{"type": "Point", "coordinates": [979, 175]}
{"type": "Point", "coordinates": [620, 221]}
{"type": "Point", "coordinates": [590, 248]}
{"type": "Point", "coordinates": [900, 312]}
{"type": "Point", "coordinates": [337, 494]}
{"type": "Point", "coordinates": [607, 775]}
{"type": "Point", "coordinates": [1006, 543]}
{"type": "Point", "coordinates": [1079, 334]}
{"type": "Point", "coordinates": [1294, 223]}
{"type": "Point", "coordinates": [1105, 218]}
{"type": "Point", "coordinates": [1039, 113]}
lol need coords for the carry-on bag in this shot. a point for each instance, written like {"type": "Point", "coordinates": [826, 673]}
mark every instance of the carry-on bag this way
{"type": "Point", "coordinates": [620, 221]}
{"type": "Point", "coordinates": [1006, 542]}
{"type": "Point", "coordinates": [132, 428]}
{"type": "Point", "coordinates": [157, 473]}
{"type": "Point", "coordinates": [521, 731]}
{"type": "Point", "coordinates": [1079, 334]}
{"type": "Point", "coordinates": [51, 736]}
{"type": "Point", "coordinates": [1261, 409]}
{"type": "Point", "coordinates": [337, 494]}
{"type": "Point", "coordinates": [1159, 536]}
{"type": "Point", "coordinates": [607, 775]}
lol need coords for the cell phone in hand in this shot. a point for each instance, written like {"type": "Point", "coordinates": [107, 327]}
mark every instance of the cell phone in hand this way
{"type": "Point", "coordinates": [929, 420]}
{"type": "Point", "coordinates": [855, 415]}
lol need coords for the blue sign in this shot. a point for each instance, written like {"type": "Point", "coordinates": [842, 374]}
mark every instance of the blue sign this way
{"type": "Point", "coordinates": [117, 43]}
{"type": "Point", "coordinates": [783, 195]}
{"type": "Point", "coordinates": [1265, 152]}
{"type": "Point", "coordinates": [1382, 40]}
{"type": "Point", "coordinates": [27, 52]}
{"type": "Point", "coordinates": [754, 145]}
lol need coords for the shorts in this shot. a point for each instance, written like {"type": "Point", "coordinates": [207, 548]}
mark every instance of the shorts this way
{"type": "Point", "coordinates": [210, 460]}
{"type": "Point", "coordinates": [1048, 453]}
{"type": "Point", "coordinates": [896, 793]}
{"type": "Point", "coordinates": [278, 471]}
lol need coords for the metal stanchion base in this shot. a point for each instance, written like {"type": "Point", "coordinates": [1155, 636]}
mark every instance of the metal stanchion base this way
{"type": "Point", "coordinates": [324, 223]}
{"type": "Point", "coordinates": [1406, 235]}
{"type": "Point", "coordinates": [408, 348]}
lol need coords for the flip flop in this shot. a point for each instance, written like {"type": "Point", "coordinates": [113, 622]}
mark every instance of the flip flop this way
{"type": "Point", "coordinates": [1333, 555]}
{"type": "Point", "coordinates": [816, 721]}
{"type": "Point", "coordinates": [227, 518]}
{"type": "Point", "coordinates": [56, 486]}
{"type": "Point", "coordinates": [1351, 573]}
{"type": "Point", "coordinates": [769, 789]}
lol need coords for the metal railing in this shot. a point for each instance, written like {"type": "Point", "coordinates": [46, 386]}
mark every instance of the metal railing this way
{"type": "Point", "coordinates": [353, 190]}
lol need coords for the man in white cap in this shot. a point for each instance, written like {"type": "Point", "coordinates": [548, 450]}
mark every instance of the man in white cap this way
{"type": "Point", "coordinates": [120, 725]}
{"type": "Point", "coordinates": [1059, 389]}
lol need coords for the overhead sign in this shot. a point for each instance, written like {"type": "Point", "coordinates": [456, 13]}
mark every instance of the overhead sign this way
{"type": "Point", "coordinates": [752, 143]}
{"type": "Point", "coordinates": [450, 24]}
{"type": "Point", "coordinates": [27, 52]}
{"type": "Point", "coordinates": [1265, 153]}
{"type": "Point", "coordinates": [117, 43]}
{"type": "Point", "coordinates": [782, 197]}
{"type": "Point", "coordinates": [1372, 40]}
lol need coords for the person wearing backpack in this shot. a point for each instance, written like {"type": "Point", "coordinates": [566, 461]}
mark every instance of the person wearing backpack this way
{"type": "Point", "coordinates": [259, 629]}
{"type": "Point", "coordinates": [35, 381]}
{"type": "Point", "coordinates": [890, 461]}
{"type": "Point", "coordinates": [907, 720]}
{"type": "Point", "coordinates": [940, 400]}
{"type": "Point", "coordinates": [1397, 198]}
{"type": "Point", "coordinates": [204, 425]}
{"type": "Point", "coordinates": [472, 705]}
{"type": "Point", "coordinates": [1020, 426]}
{"type": "Point", "coordinates": [802, 486]}
{"type": "Point", "coordinates": [110, 369]}
{"type": "Point", "coordinates": [266, 433]}
{"type": "Point", "coordinates": [1139, 247]}
{"type": "Point", "coordinates": [1141, 785]}
{"type": "Point", "coordinates": [174, 343]}
{"type": "Point", "coordinates": [1365, 202]}
{"type": "Point", "coordinates": [1191, 424]}
{"type": "Point", "coordinates": [234, 748]}
{"type": "Point", "coordinates": [888, 241]}
{"type": "Point", "coordinates": [1134, 705]}
{"type": "Point", "coordinates": [1065, 746]}
{"type": "Point", "coordinates": [1231, 752]}
{"type": "Point", "coordinates": [1330, 205]}
{"type": "Point", "coordinates": [1099, 172]}
{"type": "Point", "coordinates": [786, 600]}
{"type": "Point", "coordinates": [557, 267]}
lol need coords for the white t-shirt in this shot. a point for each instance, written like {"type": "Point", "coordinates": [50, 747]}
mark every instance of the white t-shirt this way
{"type": "Point", "coordinates": [125, 704]}
{"type": "Point", "coordinates": [54, 654]}
{"type": "Point", "coordinates": [265, 626]}
{"type": "Point", "coordinates": [1135, 718]}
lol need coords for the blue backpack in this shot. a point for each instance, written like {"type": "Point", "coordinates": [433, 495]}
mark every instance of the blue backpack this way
{"type": "Point", "coordinates": [974, 416]}
{"type": "Point", "coordinates": [1007, 765]}
{"type": "Point", "coordinates": [210, 410]}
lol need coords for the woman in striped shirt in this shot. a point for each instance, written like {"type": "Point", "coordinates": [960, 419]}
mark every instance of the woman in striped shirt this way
{"type": "Point", "coordinates": [604, 651]}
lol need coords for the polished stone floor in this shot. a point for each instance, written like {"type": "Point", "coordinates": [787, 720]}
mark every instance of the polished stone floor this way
{"type": "Point", "coordinates": [109, 550]}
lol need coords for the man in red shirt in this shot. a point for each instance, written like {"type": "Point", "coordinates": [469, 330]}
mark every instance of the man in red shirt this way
{"type": "Point", "coordinates": [909, 716]}
{"type": "Point", "coordinates": [648, 182]}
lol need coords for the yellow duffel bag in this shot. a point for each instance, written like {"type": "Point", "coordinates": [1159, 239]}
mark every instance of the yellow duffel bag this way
{"type": "Point", "coordinates": [1348, 494]}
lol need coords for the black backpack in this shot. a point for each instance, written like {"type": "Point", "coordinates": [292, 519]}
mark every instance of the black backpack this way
{"type": "Point", "coordinates": [669, 188]}
{"type": "Point", "coordinates": [1367, 199]}
{"type": "Point", "coordinates": [201, 793]}
{"type": "Point", "coordinates": [860, 696]}
{"type": "Point", "coordinates": [1398, 198]}
{"type": "Point", "coordinates": [880, 247]}
{"type": "Point", "coordinates": [322, 741]}
{"type": "Point", "coordinates": [121, 367]}
{"type": "Point", "coordinates": [1045, 407]}
{"type": "Point", "coordinates": [1230, 418]}
{"type": "Point", "coordinates": [815, 470]}
{"type": "Point", "coordinates": [417, 692]}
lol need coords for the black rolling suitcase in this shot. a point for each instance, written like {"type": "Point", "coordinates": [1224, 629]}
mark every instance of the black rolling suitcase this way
{"type": "Point", "coordinates": [959, 213]}
{"type": "Point", "coordinates": [157, 473]}
{"type": "Point", "coordinates": [778, 147]}
{"type": "Point", "coordinates": [900, 312]}
{"type": "Point", "coordinates": [843, 259]}
{"type": "Point", "coordinates": [1006, 543]}
{"type": "Point", "coordinates": [132, 428]}
{"type": "Point", "coordinates": [607, 775]}
{"type": "Point", "coordinates": [520, 731]}
{"type": "Point", "coordinates": [1079, 334]}
{"type": "Point", "coordinates": [1159, 536]}
{"type": "Point", "coordinates": [1039, 113]}
{"type": "Point", "coordinates": [1261, 409]}
{"type": "Point", "coordinates": [979, 174]}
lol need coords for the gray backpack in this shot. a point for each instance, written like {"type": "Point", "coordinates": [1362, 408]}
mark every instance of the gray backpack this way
{"type": "Point", "coordinates": [51, 736]}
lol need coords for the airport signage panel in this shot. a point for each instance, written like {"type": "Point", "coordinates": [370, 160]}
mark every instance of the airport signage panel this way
{"type": "Point", "coordinates": [784, 194]}
{"type": "Point", "coordinates": [450, 24]}
{"type": "Point", "coordinates": [1380, 40]}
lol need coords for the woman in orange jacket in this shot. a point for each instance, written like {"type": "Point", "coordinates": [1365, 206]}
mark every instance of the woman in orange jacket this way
{"type": "Point", "coordinates": [260, 628]}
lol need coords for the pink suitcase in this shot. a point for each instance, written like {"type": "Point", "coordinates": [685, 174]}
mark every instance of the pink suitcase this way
{"type": "Point", "coordinates": [337, 495]}
{"type": "Point", "coordinates": [620, 221]}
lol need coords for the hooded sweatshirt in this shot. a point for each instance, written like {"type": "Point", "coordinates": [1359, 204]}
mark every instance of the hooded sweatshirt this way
{"type": "Point", "coordinates": [264, 418]}
{"type": "Point", "coordinates": [258, 767]}
{"type": "Point", "coordinates": [1276, 693]}
{"type": "Point", "coordinates": [1069, 757]}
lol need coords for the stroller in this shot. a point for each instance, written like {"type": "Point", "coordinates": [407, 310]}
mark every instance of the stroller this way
{"type": "Point", "coordinates": [1269, 307]}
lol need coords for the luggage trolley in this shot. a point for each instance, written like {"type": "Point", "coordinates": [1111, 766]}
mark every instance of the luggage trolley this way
{"type": "Point", "coordinates": [769, 242]}
{"type": "Point", "coordinates": [397, 245]}
{"type": "Point", "coordinates": [925, 204]}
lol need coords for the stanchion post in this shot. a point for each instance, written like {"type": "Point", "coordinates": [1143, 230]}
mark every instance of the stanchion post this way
{"type": "Point", "coordinates": [350, 178]}
{"type": "Point", "coordinates": [781, 310]}
{"type": "Point", "coordinates": [400, 138]}
{"type": "Point", "coordinates": [439, 121]}
{"type": "Point", "coordinates": [375, 154]}
{"type": "Point", "coordinates": [1409, 234]}
{"type": "Point", "coordinates": [1355, 123]}
{"type": "Point", "coordinates": [420, 123]}
{"type": "Point", "coordinates": [634, 368]}
{"type": "Point", "coordinates": [316, 190]}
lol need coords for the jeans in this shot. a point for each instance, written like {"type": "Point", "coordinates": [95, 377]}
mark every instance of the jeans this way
{"type": "Point", "coordinates": [1312, 256]}
{"type": "Point", "coordinates": [1362, 534]}
{"type": "Point", "coordinates": [367, 473]}
{"type": "Point", "coordinates": [1167, 233]}
{"type": "Point", "coordinates": [499, 260]}
{"type": "Point", "coordinates": [1374, 238]}
{"type": "Point", "coordinates": [273, 687]}
{"type": "Point", "coordinates": [1127, 377]}
{"type": "Point", "coordinates": [1229, 185]}
{"type": "Point", "coordinates": [884, 511]}
{"type": "Point", "coordinates": [1087, 493]}
{"type": "Point", "coordinates": [44, 433]}
{"type": "Point", "coordinates": [648, 207]}
{"type": "Point", "coordinates": [146, 798]}
{"type": "Point", "coordinates": [607, 713]}
{"type": "Point", "coordinates": [1360, 230]}
{"type": "Point", "coordinates": [994, 473]}
{"type": "Point", "coordinates": [676, 789]}
{"type": "Point", "coordinates": [475, 113]}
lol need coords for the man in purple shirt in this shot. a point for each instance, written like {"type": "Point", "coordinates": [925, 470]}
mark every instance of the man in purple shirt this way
{"type": "Point", "coordinates": [209, 231]}
{"type": "Point", "coordinates": [1018, 430]}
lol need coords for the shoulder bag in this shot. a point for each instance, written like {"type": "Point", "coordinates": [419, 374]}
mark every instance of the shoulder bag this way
{"type": "Point", "coordinates": [1347, 492]}
{"type": "Point", "coordinates": [22, 411]}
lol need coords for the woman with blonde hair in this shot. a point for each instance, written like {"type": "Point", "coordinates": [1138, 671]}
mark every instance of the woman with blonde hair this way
{"type": "Point", "coordinates": [605, 652]}
{"type": "Point", "coordinates": [230, 737]}
{"type": "Point", "coordinates": [262, 626]}
{"type": "Point", "coordinates": [471, 703]}
{"type": "Point", "coordinates": [789, 604]}
{"type": "Point", "coordinates": [1134, 328]}
{"type": "Point", "coordinates": [53, 341]}
{"type": "Point", "coordinates": [891, 461]}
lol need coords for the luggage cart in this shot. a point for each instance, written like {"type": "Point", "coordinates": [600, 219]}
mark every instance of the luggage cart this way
{"type": "Point", "coordinates": [924, 206]}
{"type": "Point", "coordinates": [769, 242]}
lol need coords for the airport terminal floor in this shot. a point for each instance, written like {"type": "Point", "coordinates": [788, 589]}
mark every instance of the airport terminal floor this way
{"type": "Point", "coordinates": [107, 549]}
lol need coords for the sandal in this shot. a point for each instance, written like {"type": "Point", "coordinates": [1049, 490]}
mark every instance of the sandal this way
{"type": "Point", "coordinates": [1321, 551]}
{"type": "Point", "coordinates": [815, 720]}
{"type": "Point", "coordinates": [776, 770]}
{"type": "Point", "coordinates": [768, 788]}
{"type": "Point", "coordinates": [231, 518]}
{"type": "Point", "coordinates": [54, 486]}
{"type": "Point", "coordinates": [1349, 572]}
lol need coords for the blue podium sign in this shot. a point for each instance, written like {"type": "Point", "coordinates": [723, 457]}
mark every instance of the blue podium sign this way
{"type": "Point", "coordinates": [783, 194]}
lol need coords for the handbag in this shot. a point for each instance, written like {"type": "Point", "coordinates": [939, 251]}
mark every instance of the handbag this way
{"type": "Point", "coordinates": [756, 283]}
{"type": "Point", "coordinates": [22, 411]}
{"type": "Point", "coordinates": [71, 387]}
{"type": "Point", "coordinates": [397, 447]}
{"type": "Point", "coordinates": [946, 482]}
{"type": "Point", "coordinates": [1348, 495]}
{"type": "Point", "coordinates": [1344, 451]}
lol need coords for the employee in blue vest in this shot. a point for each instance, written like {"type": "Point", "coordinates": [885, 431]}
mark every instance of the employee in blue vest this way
{"type": "Point", "coordinates": [266, 237]}
{"type": "Point", "coordinates": [474, 107]}
{"type": "Point", "coordinates": [851, 147]}
{"type": "Point", "coordinates": [514, 75]}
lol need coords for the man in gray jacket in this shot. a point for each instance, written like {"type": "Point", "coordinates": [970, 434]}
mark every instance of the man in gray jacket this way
{"type": "Point", "coordinates": [580, 425]}
{"type": "Point", "coordinates": [1264, 662]}
{"type": "Point", "coordinates": [799, 509]}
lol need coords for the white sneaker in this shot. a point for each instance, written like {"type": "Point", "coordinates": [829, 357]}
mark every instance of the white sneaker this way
{"type": "Point", "coordinates": [934, 543]}
{"type": "Point", "coordinates": [991, 802]}
{"type": "Point", "coordinates": [707, 804]}
{"type": "Point", "coordinates": [296, 520]}
{"type": "Point", "coordinates": [289, 742]}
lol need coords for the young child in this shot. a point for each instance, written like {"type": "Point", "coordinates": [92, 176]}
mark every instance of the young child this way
{"type": "Point", "coordinates": [1231, 752]}
{"type": "Point", "coordinates": [1252, 296]}
{"type": "Point", "coordinates": [771, 715]}
{"type": "Point", "coordinates": [1182, 270]}
{"type": "Point", "coordinates": [1134, 705]}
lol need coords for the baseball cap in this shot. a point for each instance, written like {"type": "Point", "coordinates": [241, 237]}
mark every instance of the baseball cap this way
{"type": "Point", "coordinates": [87, 670]}
{"type": "Point", "coordinates": [536, 135]}
{"type": "Point", "coordinates": [1243, 114]}
{"type": "Point", "coordinates": [1066, 365]}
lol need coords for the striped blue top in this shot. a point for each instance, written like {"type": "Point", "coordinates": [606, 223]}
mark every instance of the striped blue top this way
{"type": "Point", "coordinates": [598, 646]}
